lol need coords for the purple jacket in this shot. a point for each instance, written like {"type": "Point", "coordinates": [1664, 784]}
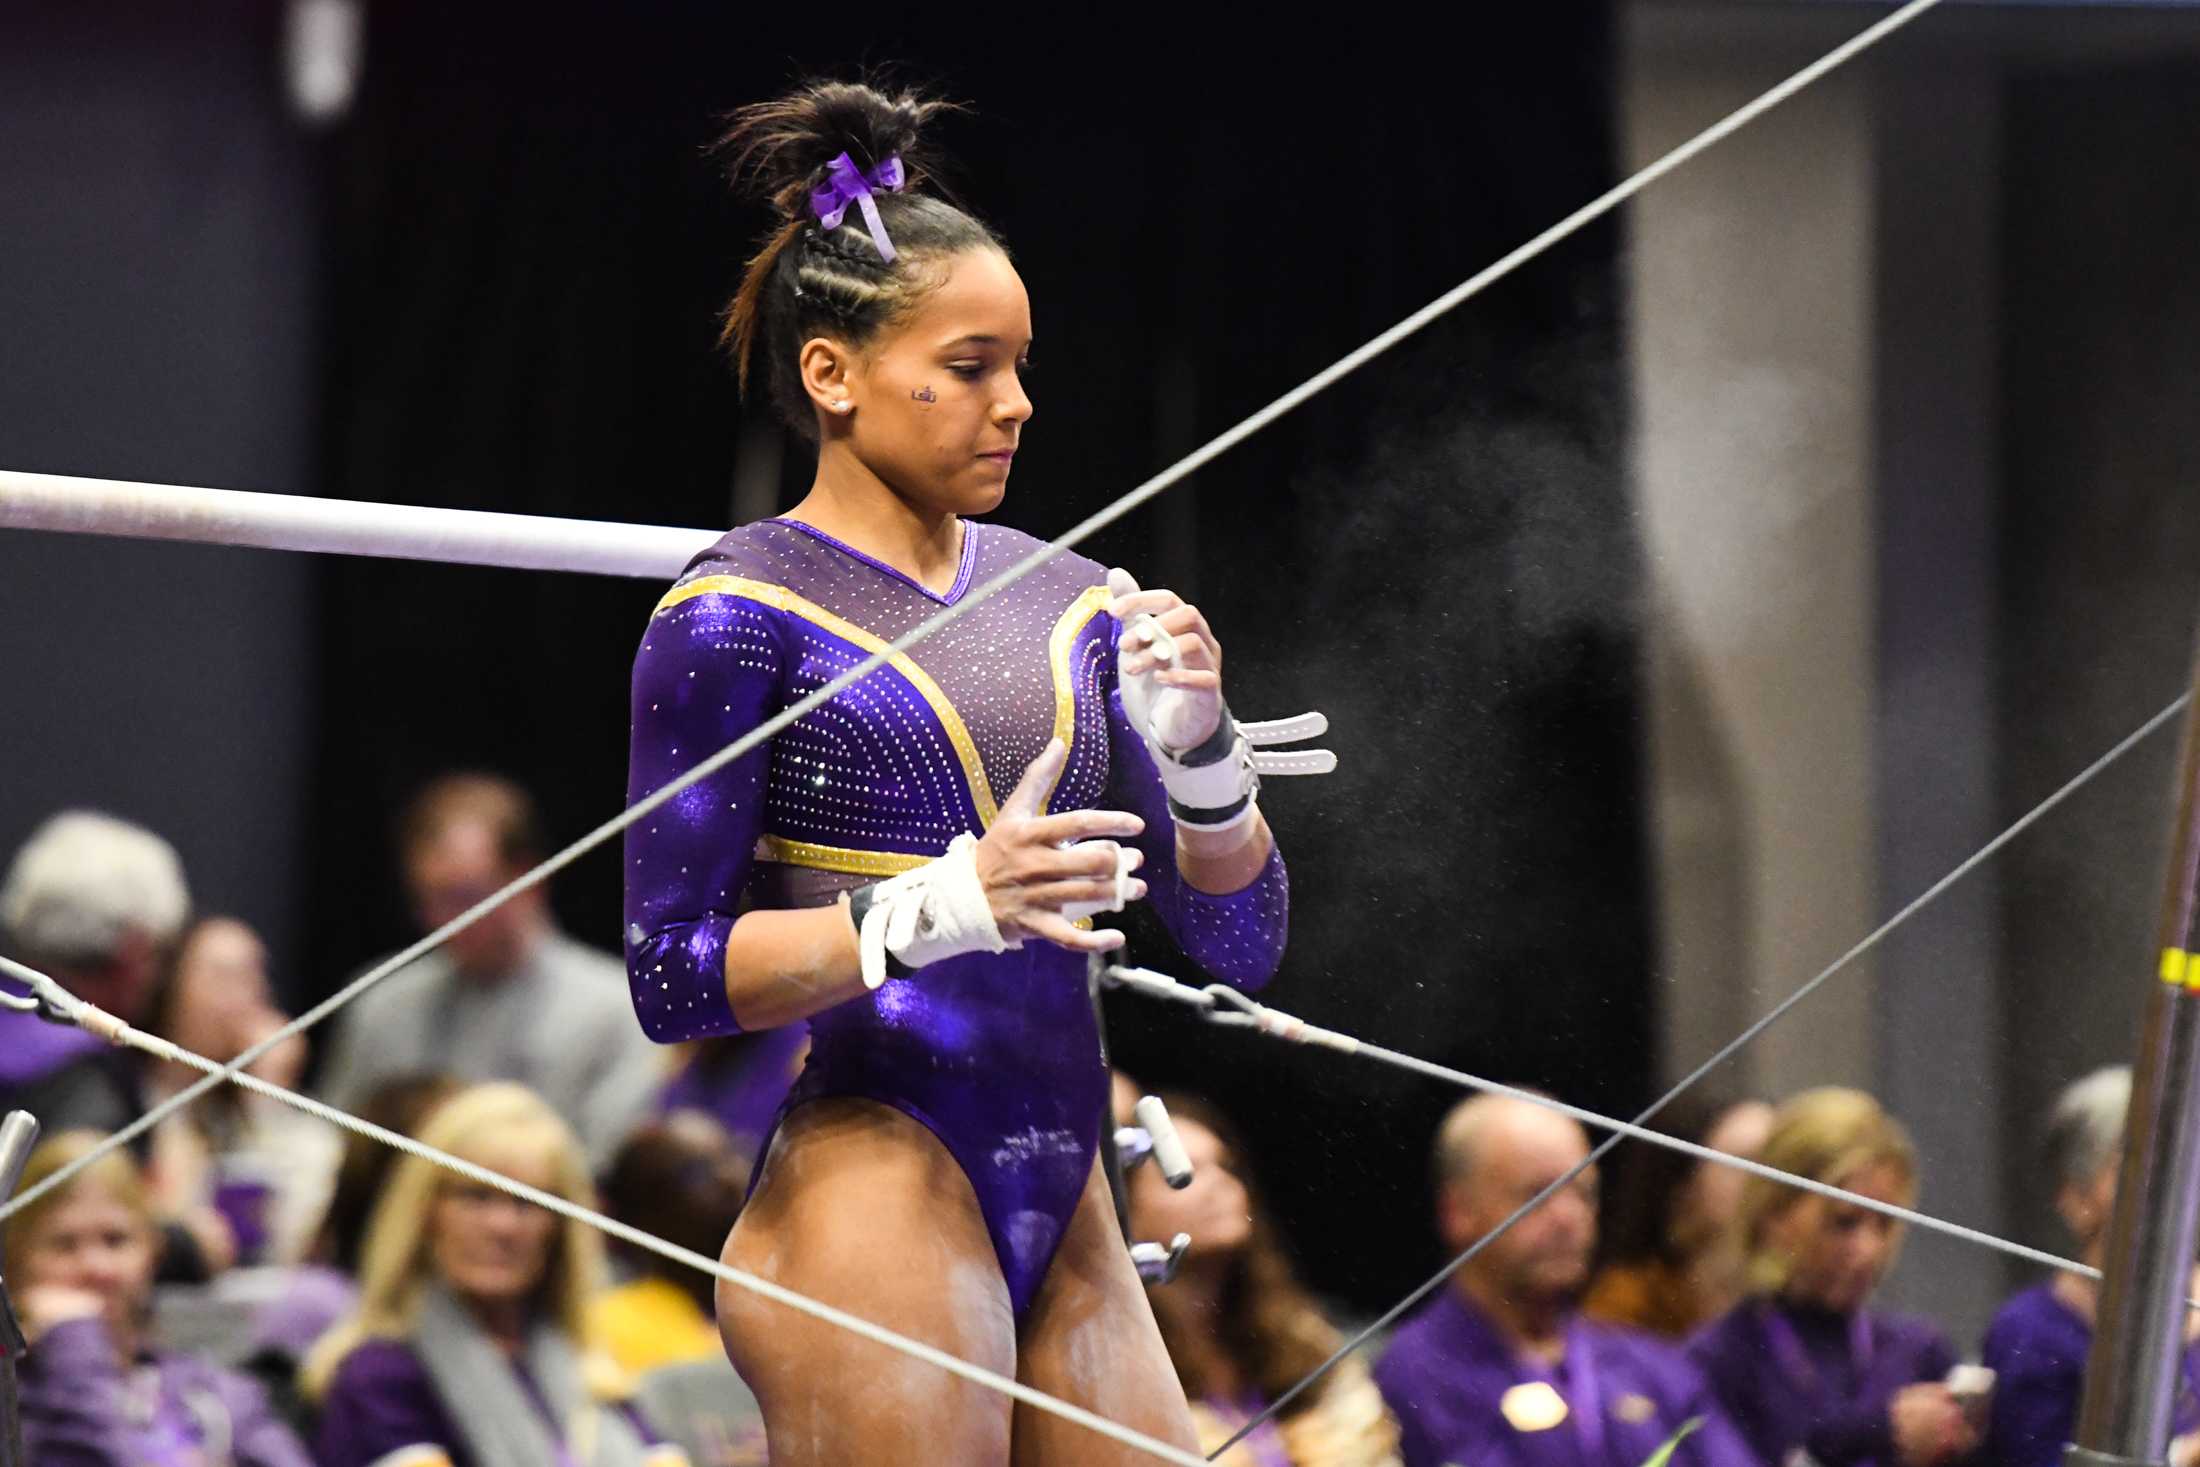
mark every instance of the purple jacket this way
{"type": "Point", "coordinates": [2037, 1350]}
{"type": "Point", "coordinates": [1822, 1382]}
{"type": "Point", "coordinates": [383, 1400]}
{"type": "Point", "coordinates": [83, 1407]}
{"type": "Point", "coordinates": [1447, 1376]}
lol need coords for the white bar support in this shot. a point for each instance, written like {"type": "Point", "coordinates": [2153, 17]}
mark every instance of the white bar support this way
{"type": "Point", "coordinates": [343, 527]}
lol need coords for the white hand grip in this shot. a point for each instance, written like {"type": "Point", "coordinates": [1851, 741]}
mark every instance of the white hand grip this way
{"type": "Point", "coordinates": [1168, 1147]}
{"type": "Point", "coordinates": [1285, 730]}
{"type": "Point", "coordinates": [1306, 761]}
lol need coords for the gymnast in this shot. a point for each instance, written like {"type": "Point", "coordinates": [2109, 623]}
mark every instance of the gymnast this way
{"type": "Point", "coordinates": [935, 1167]}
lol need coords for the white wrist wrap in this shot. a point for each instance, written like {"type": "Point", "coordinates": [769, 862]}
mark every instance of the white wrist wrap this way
{"type": "Point", "coordinates": [937, 911]}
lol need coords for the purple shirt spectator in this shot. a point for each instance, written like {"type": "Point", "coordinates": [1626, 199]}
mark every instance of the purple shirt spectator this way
{"type": "Point", "coordinates": [1457, 1387]}
{"type": "Point", "coordinates": [2036, 1348]}
{"type": "Point", "coordinates": [1793, 1377]}
{"type": "Point", "coordinates": [383, 1401]}
{"type": "Point", "coordinates": [83, 1407]}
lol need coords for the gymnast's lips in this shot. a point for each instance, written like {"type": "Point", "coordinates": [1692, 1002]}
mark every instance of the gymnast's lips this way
{"type": "Point", "coordinates": [1000, 456]}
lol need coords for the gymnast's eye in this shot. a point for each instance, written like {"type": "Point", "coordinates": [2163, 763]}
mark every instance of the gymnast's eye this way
{"type": "Point", "coordinates": [968, 371]}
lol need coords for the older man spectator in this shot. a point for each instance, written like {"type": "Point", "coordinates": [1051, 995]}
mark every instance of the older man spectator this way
{"type": "Point", "coordinates": [511, 997]}
{"type": "Point", "coordinates": [2038, 1343]}
{"type": "Point", "coordinates": [97, 903]}
{"type": "Point", "coordinates": [1500, 1369]}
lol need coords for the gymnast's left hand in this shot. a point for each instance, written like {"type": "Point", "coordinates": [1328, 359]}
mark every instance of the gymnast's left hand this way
{"type": "Point", "coordinates": [1187, 720]}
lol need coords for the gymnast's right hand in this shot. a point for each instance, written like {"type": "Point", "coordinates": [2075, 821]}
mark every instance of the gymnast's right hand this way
{"type": "Point", "coordinates": [1033, 865]}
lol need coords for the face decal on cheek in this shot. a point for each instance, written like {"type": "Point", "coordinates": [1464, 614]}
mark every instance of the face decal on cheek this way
{"type": "Point", "coordinates": [925, 394]}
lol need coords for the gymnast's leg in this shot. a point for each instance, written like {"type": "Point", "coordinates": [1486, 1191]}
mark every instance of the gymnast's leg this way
{"type": "Point", "coordinates": [1090, 1339]}
{"type": "Point", "coordinates": [861, 1207]}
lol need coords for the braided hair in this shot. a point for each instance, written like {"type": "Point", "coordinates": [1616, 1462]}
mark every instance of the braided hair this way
{"type": "Point", "coordinates": [808, 281]}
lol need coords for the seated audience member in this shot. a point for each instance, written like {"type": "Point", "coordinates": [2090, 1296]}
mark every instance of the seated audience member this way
{"type": "Point", "coordinates": [681, 1179]}
{"type": "Point", "coordinates": [1804, 1364]}
{"type": "Point", "coordinates": [2037, 1344]}
{"type": "Point", "coordinates": [401, 1104]}
{"type": "Point", "coordinates": [96, 903]}
{"type": "Point", "coordinates": [1239, 1325]}
{"type": "Point", "coordinates": [262, 1165]}
{"type": "Point", "coordinates": [469, 1348]}
{"type": "Point", "coordinates": [1500, 1369]}
{"type": "Point", "coordinates": [738, 1081]}
{"type": "Point", "coordinates": [95, 1390]}
{"type": "Point", "coordinates": [509, 998]}
{"type": "Point", "coordinates": [1672, 1254]}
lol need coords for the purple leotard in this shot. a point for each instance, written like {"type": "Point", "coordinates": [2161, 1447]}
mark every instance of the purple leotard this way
{"type": "Point", "coordinates": [997, 1054]}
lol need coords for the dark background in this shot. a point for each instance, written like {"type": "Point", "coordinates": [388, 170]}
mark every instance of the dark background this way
{"type": "Point", "coordinates": [494, 285]}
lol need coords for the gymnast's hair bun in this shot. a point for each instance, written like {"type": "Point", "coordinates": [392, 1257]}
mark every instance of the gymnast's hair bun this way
{"type": "Point", "coordinates": [807, 280]}
{"type": "Point", "coordinates": [779, 151]}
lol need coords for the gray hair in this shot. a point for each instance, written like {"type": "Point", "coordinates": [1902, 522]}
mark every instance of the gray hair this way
{"type": "Point", "coordinates": [2086, 1128]}
{"type": "Point", "coordinates": [84, 883]}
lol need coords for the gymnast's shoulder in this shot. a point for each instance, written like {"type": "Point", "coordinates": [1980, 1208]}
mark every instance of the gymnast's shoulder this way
{"type": "Point", "coordinates": [761, 553]}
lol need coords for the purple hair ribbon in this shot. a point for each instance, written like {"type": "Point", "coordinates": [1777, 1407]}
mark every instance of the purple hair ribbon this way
{"type": "Point", "coordinates": [846, 185]}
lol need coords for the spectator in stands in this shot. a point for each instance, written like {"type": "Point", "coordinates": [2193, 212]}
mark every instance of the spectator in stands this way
{"type": "Point", "coordinates": [1239, 1325]}
{"type": "Point", "coordinates": [262, 1165]}
{"type": "Point", "coordinates": [1500, 1369]}
{"type": "Point", "coordinates": [98, 903]}
{"type": "Point", "coordinates": [2038, 1343]}
{"type": "Point", "coordinates": [1672, 1256]}
{"type": "Point", "coordinates": [681, 1179]}
{"type": "Point", "coordinates": [1805, 1364]}
{"type": "Point", "coordinates": [469, 1348]}
{"type": "Point", "coordinates": [95, 1389]}
{"type": "Point", "coordinates": [507, 998]}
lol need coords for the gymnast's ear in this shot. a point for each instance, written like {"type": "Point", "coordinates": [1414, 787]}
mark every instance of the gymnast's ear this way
{"type": "Point", "coordinates": [827, 368]}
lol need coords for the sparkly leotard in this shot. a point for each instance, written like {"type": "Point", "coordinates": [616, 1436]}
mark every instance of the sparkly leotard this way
{"type": "Point", "coordinates": [997, 1054]}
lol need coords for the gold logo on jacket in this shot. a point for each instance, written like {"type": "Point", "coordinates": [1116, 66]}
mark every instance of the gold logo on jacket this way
{"type": "Point", "coordinates": [1533, 1405]}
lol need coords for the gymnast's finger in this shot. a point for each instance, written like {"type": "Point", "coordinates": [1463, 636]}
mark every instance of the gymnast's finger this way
{"type": "Point", "coordinates": [1191, 651]}
{"type": "Point", "coordinates": [1094, 858]}
{"type": "Point", "coordinates": [1055, 895]}
{"type": "Point", "coordinates": [1157, 602]}
{"type": "Point", "coordinates": [1057, 929]}
{"type": "Point", "coordinates": [1082, 825]}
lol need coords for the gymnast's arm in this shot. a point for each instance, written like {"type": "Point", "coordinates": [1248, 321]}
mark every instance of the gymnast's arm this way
{"type": "Point", "coordinates": [708, 672]}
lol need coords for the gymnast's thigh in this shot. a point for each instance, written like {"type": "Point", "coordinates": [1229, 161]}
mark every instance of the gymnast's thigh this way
{"type": "Point", "coordinates": [1089, 1338]}
{"type": "Point", "coordinates": [861, 1207]}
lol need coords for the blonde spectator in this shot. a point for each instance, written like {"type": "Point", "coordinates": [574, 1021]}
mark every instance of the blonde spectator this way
{"type": "Point", "coordinates": [1805, 1364]}
{"type": "Point", "coordinates": [96, 1390]}
{"type": "Point", "coordinates": [469, 1347]}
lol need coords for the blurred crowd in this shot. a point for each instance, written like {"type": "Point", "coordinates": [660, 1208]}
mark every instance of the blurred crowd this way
{"type": "Point", "coordinates": [243, 1285]}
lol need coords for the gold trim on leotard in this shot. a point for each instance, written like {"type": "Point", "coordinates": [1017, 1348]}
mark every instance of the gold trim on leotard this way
{"type": "Point", "coordinates": [1059, 643]}
{"type": "Point", "coordinates": [835, 858]}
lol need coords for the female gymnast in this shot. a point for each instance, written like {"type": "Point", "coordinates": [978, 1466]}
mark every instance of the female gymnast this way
{"type": "Point", "coordinates": [935, 1167]}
